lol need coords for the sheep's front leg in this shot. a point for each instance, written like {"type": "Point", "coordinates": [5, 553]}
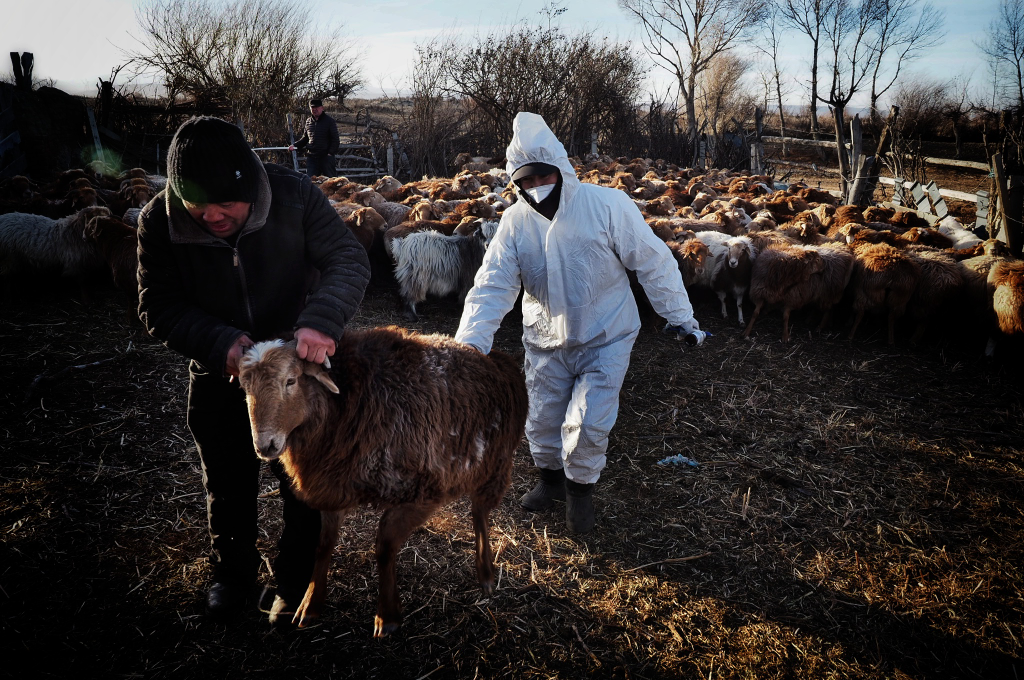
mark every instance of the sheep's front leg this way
{"type": "Point", "coordinates": [396, 525]}
{"type": "Point", "coordinates": [721, 299]}
{"type": "Point", "coordinates": [750, 325]}
{"type": "Point", "coordinates": [484, 557]}
{"type": "Point", "coordinates": [312, 604]}
{"type": "Point", "coordinates": [739, 303]}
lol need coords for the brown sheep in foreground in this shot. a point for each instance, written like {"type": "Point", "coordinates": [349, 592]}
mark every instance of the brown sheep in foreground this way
{"type": "Point", "coordinates": [884, 280]}
{"type": "Point", "coordinates": [402, 421]}
{"type": "Point", "coordinates": [780, 278]}
{"type": "Point", "coordinates": [1006, 280]}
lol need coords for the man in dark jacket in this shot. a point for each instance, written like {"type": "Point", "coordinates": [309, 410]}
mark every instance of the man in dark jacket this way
{"type": "Point", "coordinates": [231, 253]}
{"type": "Point", "coordinates": [320, 140]}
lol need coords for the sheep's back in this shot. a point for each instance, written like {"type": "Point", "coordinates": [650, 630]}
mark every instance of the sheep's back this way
{"type": "Point", "coordinates": [420, 411]}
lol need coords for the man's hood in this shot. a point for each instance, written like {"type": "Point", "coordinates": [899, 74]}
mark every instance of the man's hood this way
{"type": "Point", "coordinates": [534, 142]}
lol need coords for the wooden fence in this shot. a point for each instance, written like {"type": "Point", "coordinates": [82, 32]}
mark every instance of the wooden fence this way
{"type": "Point", "coordinates": [928, 200]}
{"type": "Point", "coordinates": [12, 160]}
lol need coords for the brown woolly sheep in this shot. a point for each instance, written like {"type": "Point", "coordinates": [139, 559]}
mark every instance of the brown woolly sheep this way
{"type": "Point", "coordinates": [662, 228]}
{"type": "Point", "coordinates": [812, 195]}
{"type": "Point", "coordinates": [829, 285]}
{"type": "Point", "coordinates": [406, 228]}
{"type": "Point", "coordinates": [691, 256]}
{"type": "Point", "coordinates": [927, 236]}
{"type": "Point", "coordinates": [884, 280]}
{"type": "Point", "coordinates": [402, 421]}
{"type": "Point", "coordinates": [1006, 280]}
{"type": "Point", "coordinates": [905, 219]}
{"type": "Point", "coordinates": [365, 223]}
{"type": "Point", "coordinates": [780, 278]}
{"type": "Point", "coordinates": [940, 283]}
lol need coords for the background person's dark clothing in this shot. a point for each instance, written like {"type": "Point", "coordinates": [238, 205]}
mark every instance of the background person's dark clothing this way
{"type": "Point", "coordinates": [294, 264]}
{"type": "Point", "coordinates": [320, 142]}
{"type": "Point", "coordinates": [320, 165]}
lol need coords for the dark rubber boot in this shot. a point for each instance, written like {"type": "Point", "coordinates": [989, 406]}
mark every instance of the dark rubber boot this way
{"type": "Point", "coordinates": [226, 599]}
{"type": "Point", "coordinates": [579, 507]}
{"type": "Point", "coordinates": [549, 489]}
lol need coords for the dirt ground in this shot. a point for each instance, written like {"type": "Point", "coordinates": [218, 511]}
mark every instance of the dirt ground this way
{"type": "Point", "coordinates": [856, 513]}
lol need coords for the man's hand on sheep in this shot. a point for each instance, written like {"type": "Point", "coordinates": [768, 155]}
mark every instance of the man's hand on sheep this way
{"type": "Point", "coordinates": [312, 345]}
{"type": "Point", "coordinates": [235, 354]}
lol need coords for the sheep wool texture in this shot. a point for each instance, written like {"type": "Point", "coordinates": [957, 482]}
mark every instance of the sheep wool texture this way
{"type": "Point", "coordinates": [579, 317]}
{"type": "Point", "coordinates": [209, 161]}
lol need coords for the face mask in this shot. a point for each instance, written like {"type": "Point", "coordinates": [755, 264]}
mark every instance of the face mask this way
{"type": "Point", "coordinates": [538, 194]}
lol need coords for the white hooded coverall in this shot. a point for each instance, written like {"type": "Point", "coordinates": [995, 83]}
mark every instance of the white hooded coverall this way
{"type": "Point", "coordinates": [579, 316]}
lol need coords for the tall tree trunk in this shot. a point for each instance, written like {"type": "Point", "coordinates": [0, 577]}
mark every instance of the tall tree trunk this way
{"type": "Point", "coordinates": [782, 115]}
{"type": "Point", "coordinates": [814, 93]}
{"type": "Point", "coordinates": [844, 158]}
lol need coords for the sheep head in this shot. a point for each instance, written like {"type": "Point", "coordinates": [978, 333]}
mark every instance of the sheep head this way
{"type": "Point", "coordinates": [271, 374]}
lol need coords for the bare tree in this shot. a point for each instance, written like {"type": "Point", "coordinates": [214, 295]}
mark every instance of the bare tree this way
{"type": "Point", "coordinates": [769, 46]}
{"type": "Point", "coordinates": [685, 36]}
{"type": "Point", "coordinates": [903, 29]}
{"type": "Point", "coordinates": [808, 17]}
{"type": "Point", "coordinates": [580, 84]}
{"type": "Point", "coordinates": [849, 49]}
{"type": "Point", "coordinates": [433, 130]}
{"type": "Point", "coordinates": [252, 60]}
{"type": "Point", "coordinates": [957, 107]}
{"type": "Point", "coordinates": [721, 94]}
{"type": "Point", "coordinates": [1005, 45]}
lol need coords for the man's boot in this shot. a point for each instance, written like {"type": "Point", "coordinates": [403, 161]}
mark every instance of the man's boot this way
{"type": "Point", "coordinates": [226, 598]}
{"type": "Point", "coordinates": [549, 489]}
{"type": "Point", "coordinates": [579, 507]}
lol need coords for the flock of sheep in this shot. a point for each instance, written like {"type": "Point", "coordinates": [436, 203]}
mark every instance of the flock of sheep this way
{"type": "Point", "coordinates": [736, 235]}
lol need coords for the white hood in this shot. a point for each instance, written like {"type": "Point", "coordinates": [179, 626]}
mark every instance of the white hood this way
{"type": "Point", "coordinates": [534, 142]}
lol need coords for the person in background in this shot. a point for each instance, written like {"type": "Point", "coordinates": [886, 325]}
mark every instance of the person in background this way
{"type": "Point", "coordinates": [568, 245]}
{"type": "Point", "coordinates": [233, 252]}
{"type": "Point", "coordinates": [319, 140]}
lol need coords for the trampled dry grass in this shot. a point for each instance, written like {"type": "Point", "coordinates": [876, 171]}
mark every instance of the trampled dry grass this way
{"type": "Point", "coordinates": [856, 513]}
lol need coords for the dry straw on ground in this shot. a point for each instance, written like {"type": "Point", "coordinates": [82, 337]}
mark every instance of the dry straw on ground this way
{"type": "Point", "coordinates": [857, 513]}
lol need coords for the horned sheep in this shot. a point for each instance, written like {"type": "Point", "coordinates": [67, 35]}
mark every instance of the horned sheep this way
{"type": "Point", "coordinates": [402, 421]}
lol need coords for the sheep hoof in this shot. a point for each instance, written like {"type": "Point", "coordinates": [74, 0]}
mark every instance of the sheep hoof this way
{"type": "Point", "coordinates": [382, 629]}
{"type": "Point", "coordinates": [487, 587]}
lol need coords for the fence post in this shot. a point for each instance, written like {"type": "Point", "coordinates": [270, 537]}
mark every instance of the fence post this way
{"type": "Point", "coordinates": [757, 148]}
{"type": "Point", "coordinates": [884, 140]}
{"type": "Point", "coordinates": [391, 159]}
{"type": "Point", "coordinates": [898, 197]}
{"type": "Point", "coordinates": [981, 215]}
{"type": "Point", "coordinates": [291, 142]}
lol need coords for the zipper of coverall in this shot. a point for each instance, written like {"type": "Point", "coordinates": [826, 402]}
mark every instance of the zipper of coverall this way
{"type": "Point", "coordinates": [245, 288]}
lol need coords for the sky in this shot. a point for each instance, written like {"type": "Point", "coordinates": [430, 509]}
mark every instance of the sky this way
{"type": "Point", "coordinates": [77, 43]}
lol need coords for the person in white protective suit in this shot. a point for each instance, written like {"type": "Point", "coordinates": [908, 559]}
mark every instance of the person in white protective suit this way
{"type": "Point", "coordinates": [569, 244]}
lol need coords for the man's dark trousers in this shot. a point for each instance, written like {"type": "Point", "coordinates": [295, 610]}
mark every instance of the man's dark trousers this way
{"type": "Point", "coordinates": [219, 421]}
{"type": "Point", "coordinates": [322, 164]}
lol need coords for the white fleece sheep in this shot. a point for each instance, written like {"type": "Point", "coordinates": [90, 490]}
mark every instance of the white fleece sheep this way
{"type": "Point", "coordinates": [962, 238]}
{"type": "Point", "coordinates": [37, 243]}
{"type": "Point", "coordinates": [430, 263]}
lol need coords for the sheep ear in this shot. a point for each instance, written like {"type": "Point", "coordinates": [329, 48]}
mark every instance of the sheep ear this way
{"type": "Point", "coordinates": [319, 373]}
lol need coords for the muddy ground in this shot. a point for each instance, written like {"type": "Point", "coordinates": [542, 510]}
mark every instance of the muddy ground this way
{"type": "Point", "coordinates": [856, 513]}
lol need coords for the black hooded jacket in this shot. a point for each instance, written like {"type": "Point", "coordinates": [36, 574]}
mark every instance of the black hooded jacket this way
{"type": "Point", "coordinates": [293, 265]}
